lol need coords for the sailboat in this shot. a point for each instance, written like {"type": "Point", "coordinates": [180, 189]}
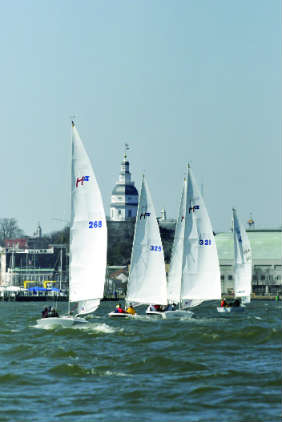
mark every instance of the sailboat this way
{"type": "Point", "coordinates": [194, 273]}
{"type": "Point", "coordinates": [147, 276]}
{"type": "Point", "coordinates": [242, 266]}
{"type": "Point", "coordinates": [88, 240]}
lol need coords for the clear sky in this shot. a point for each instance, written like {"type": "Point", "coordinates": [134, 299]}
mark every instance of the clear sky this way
{"type": "Point", "coordinates": [179, 81]}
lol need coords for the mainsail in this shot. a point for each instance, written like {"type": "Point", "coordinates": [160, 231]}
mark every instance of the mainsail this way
{"type": "Point", "coordinates": [147, 277]}
{"type": "Point", "coordinates": [242, 260]}
{"type": "Point", "coordinates": [88, 232]}
{"type": "Point", "coordinates": [176, 261]}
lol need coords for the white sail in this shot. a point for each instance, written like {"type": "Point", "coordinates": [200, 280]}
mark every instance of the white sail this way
{"type": "Point", "coordinates": [88, 234]}
{"type": "Point", "coordinates": [200, 265]}
{"type": "Point", "coordinates": [147, 278]}
{"type": "Point", "coordinates": [242, 261]}
{"type": "Point", "coordinates": [176, 261]}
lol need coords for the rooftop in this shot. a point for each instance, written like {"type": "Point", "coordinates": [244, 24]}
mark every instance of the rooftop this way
{"type": "Point", "coordinates": [265, 244]}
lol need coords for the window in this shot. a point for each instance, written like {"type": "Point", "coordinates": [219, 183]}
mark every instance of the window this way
{"type": "Point", "coordinates": [129, 213]}
{"type": "Point", "coordinates": [262, 277]}
{"type": "Point", "coordinates": [119, 212]}
{"type": "Point", "coordinates": [230, 277]}
{"type": "Point", "coordinates": [222, 277]}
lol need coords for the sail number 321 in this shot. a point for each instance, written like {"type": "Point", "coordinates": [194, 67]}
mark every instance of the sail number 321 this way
{"type": "Point", "coordinates": [205, 242]}
{"type": "Point", "coordinates": [95, 224]}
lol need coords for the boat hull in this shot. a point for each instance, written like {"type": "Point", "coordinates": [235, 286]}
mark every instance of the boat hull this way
{"type": "Point", "coordinates": [64, 321]}
{"type": "Point", "coordinates": [228, 310]}
{"type": "Point", "coordinates": [178, 313]}
{"type": "Point", "coordinates": [156, 313]}
{"type": "Point", "coordinates": [114, 314]}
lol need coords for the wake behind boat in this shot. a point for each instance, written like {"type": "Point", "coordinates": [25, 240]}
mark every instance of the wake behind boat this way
{"type": "Point", "coordinates": [230, 309]}
{"type": "Point", "coordinates": [88, 241]}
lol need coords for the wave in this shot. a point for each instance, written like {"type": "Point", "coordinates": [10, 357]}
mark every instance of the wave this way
{"type": "Point", "coordinates": [75, 370]}
{"type": "Point", "coordinates": [164, 364]}
{"type": "Point", "coordinates": [98, 328]}
{"type": "Point", "coordinates": [89, 327]}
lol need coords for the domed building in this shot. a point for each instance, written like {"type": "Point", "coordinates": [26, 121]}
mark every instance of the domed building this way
{"type": "Point", "coordinates": [124, 200]}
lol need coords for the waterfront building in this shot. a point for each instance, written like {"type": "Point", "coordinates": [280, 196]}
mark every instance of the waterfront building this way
{"type": "Point", "coordinates": [28, 267]}
{"type": "Point", "coordinates": [266, 246]}
{"type": "Point", "coordinates": [124, 200]}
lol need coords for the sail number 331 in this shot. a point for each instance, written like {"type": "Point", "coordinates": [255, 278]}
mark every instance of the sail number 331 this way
{"type": "Point", "coordinates": [205, 242]}
{"type": "Point", "coordinates": [95, 224]}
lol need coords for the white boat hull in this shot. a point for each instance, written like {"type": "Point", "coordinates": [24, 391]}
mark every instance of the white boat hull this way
{"type": "Point", "coordinates": [231, 309]}
{"type": "Point", "coordinates": [114, 314]}
{"type": "Point", "coordinates": [156, 313]}
{"type": "Point", "coordinates": [178, 313]}
{"type": "Point", "coordinates": [63, 321]}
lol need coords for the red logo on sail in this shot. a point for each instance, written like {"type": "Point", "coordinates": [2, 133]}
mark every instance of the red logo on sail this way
{"type": "Point", "coordinates": [82, 180]}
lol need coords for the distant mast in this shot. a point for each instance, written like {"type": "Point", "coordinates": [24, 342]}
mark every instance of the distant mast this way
{"type": "Point", "coordinates": [251, 222]}
{"type": "Point", "coordinates": [124, 200]}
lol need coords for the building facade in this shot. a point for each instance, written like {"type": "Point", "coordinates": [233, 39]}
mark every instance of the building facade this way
{"type": "Point", "coordinates": [124, 200]}
{"type": "Point", "coordinates": [266, 246]}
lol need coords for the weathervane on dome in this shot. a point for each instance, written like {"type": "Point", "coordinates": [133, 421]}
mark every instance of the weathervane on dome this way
{"type": "Point", "coordinates": [126, 148]}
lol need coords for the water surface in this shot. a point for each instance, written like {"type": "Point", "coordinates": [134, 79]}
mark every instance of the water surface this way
{"type": "Point", "coordinates": [142, 369]}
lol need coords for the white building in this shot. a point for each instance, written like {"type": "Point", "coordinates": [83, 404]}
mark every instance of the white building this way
{"type": "Point", "coordinates": [124, 200]}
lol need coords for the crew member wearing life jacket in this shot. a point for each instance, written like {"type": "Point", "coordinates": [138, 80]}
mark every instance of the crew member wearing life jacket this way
{"type": "Point", "coordinates": [223, 303]}
{"type": "Point", "coordinates": [119, 309]}
{"type": "Point", "coordinates": [131, 310]}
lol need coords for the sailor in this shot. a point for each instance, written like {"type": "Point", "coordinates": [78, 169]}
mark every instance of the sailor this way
{"type": "Point", "coordinates": [131, 310]}
{"type": "Point", "coordinates": [119, 309]}
{"type": "Point", "coordinates": [170, 307]}
{"type": "Point", "coordinates": [152, 308]}
{"type": "Point", "coordinates": [45, 313]}
{"type": "Point", "coordinates": [223, 303]}
{"type": "Point", "coordinates": [52, 312]}
{"type": "Point", "coordinates": [236, 302]}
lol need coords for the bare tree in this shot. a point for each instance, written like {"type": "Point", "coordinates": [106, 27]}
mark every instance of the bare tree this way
{"type": "Point", "coordinates": [9, 229]}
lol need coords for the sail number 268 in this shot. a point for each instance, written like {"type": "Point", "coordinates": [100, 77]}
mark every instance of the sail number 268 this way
{"type": "Point", "coordinates": [95, 224]}
{"type": "Point", "coordinates": [205, 242]}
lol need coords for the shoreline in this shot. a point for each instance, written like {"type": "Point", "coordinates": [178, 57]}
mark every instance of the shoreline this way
{"type": "Point", "coordinates": [24, 298]}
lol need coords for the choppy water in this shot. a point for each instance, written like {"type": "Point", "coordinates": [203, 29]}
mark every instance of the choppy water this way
{"type": "Point", "coordinates": [208, 368]}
